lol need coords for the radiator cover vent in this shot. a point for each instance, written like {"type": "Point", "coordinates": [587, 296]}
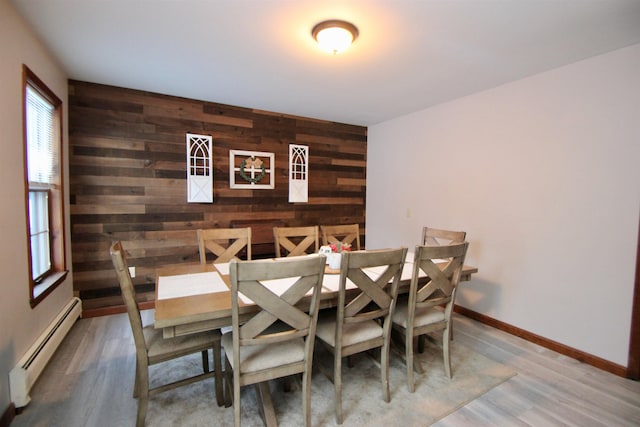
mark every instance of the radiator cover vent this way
{"type": "Point", "coordinates": [29, 368]}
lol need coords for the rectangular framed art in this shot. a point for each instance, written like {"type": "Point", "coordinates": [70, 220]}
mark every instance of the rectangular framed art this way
{"type": "Point", "coordinates": [251, 169]}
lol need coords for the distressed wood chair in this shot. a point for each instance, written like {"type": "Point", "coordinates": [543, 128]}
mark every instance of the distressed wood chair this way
{"type": "Point", "coordinates": [152, 348]}
{"type": "Point", "coordinates": [224, 243]}
{"type": "Point", "coordinates": [295, 240]}
{"type": "Point", "coordinates": [364, 321]}
{"type": "Point", "coordinates": [437, 237]}
{"type": "Point", "coordinates": [278, 340]}
{"type": "Point", "coordinates": [349, 234]}
{"type": "Point", "coordinates": [423, 313]}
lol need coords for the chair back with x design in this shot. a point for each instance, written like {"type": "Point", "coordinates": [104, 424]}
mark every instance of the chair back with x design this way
{"type": "Point", "coordinates": [344, 234]}
{"type": "Point", "coordinates": [249, 279]}
{"type": "Point", "coordinates": [443, 277]}
{"type": "Point", "coordinates": [376, 295]}
{"type": "Point", "coordinates": [295, 241]}
{"type": "Point", "coordinates": [224, 243]}
{"type": "Point", "coordinates": [437, 237]}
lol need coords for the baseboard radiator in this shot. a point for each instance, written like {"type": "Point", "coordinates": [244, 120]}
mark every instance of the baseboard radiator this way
{"type": "Point", "coordinates": [29, 368]}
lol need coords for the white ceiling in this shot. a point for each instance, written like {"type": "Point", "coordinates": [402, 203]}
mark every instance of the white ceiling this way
{"type": "Point", "coordinates": [259, 53]}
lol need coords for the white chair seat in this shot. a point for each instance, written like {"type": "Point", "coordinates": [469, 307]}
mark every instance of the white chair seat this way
{"type": "Point", "coordinates": [258, 357]}
{"type": "Point", "coordinates": [351, 333]}
{"type": "Point", "coordinates": [425, 316]}
{"type": "Point", "coordinates": [160, 349]}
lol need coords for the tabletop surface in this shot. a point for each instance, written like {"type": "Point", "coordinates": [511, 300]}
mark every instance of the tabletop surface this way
{"type": "Point", "coordinates": [171, 311]}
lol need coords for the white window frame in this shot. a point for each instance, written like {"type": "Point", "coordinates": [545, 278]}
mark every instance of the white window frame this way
{"type": "Point", "coordinates": [44, 194]}
{"type": "Point", "coordinates": [39, 233]}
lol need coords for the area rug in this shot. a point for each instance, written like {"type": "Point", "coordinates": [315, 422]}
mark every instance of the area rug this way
{"type": "Point", "coordinates": [435, 397]}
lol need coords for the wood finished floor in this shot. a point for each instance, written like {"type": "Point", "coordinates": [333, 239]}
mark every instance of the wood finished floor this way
{"type": "Point", "coordinates": [549, 389]}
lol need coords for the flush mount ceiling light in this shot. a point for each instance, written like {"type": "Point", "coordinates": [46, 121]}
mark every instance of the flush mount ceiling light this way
{"type": "Point", "coordinates": [334, 36]}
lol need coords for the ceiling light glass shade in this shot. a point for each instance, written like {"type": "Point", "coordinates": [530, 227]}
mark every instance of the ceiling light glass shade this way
{"type": "Point", "coordinates": [334, 36]}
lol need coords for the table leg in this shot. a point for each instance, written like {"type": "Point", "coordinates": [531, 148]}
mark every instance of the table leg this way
{"type": "Point", "coordinates": [266, 404]}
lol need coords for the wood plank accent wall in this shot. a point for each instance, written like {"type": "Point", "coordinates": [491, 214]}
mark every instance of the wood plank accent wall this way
{"type": "Point", "coordinates": [127, 160]}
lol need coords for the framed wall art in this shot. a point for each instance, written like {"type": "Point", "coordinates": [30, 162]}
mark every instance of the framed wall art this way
{"type": "Point", "coordinates": [199, 168]}
{"type": "Point", "coordinates": [298, 173]}
{"type": "Point", "coordinates": [251, 169]}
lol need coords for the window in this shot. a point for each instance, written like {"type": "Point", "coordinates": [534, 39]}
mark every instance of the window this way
{"type": "Point", "coordinates": [43, 183]}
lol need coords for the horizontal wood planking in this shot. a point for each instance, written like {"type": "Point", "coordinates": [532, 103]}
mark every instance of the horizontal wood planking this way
{"type": "Point", "coordinates": [127, 166]}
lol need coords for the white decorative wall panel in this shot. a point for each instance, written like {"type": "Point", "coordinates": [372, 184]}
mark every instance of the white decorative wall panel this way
{"type": "Point", "coordinates": [199, 168]}
{"type": "Point", "coordinates": [298, 173]}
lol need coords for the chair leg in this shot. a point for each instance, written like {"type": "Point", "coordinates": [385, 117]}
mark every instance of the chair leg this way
{"type": "Point", "coordinates": [409, 360]}
{"type": "Point", "coordinates": [143, 401]}
{"type": "Point", "coordinates": [287, 385]}
{"type": "Point", "coordinates": [445, 352]}
{"type": "Point", "coordinates": [136, 383]}
{"type": "Point", "coordinates": [306, 397]}
{"type": "Point", "coordinates": [236, 403]}
{"type": "Point", "coordinates": [384, 371]}
{"type": "Point", "coordinates": [205, 361]}
{"type": "Point", "coordinates": [350, 362]}
{"type": "Point", "coordinates": [142, 409]}
{"type": "Point", "coordinates": [217, 366]}
{"type": "Point", "coordinates": [337, 383]}
{"type": "Point", "coordinates": [228, 384]}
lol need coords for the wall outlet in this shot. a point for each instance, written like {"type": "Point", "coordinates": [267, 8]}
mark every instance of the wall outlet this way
{"type": "Point", "coordinates": [132, 272]}
{"type": "Point", "coordinates": [409, 212]}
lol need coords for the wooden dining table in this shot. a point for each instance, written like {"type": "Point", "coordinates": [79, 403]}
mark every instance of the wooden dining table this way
{"type": "Point", "coordinates": [205, 304]}
{"type": "Point", "coordinates": [197, 312]}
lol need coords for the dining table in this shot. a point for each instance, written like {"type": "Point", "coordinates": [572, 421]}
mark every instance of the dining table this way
{"type": "Point", "coordinates": [192, 298]}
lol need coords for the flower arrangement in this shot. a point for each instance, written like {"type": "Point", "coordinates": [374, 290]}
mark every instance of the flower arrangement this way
{"type": "Point", "coordinates": [340, 247]}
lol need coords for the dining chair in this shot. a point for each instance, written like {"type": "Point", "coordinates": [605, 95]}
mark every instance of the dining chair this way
{"type": "Point", "coordinates": [223, 243]}
{"type": "Point", "coordinates": [278, 339]}
{"type": "Point", "coordinates": [295, 240]}
{"type": "Point", "coordinates": [152, 348]}
{"type": "Point", "coordinates": [437, 237]}
{"type": "Point", "coordinates": [362, 320]}
{"type": "Point", "coordinates": [349, 234]}
{"type": "Point", "coordinates": [423, 312]}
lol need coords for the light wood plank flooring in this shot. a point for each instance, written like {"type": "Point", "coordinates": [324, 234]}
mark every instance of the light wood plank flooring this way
{"type": "Point", "coordinates": [549, 390]}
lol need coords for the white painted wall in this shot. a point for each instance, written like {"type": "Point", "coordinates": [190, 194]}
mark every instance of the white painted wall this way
{"type": "Point", "coordinates": [544, 175]}
{"type": "Point", "coordinates": [19, 324]}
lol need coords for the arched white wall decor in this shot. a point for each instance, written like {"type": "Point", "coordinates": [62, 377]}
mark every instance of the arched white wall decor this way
{"type": "Point", "coordinates": [199, 168]}
{"type": "Point", "coordinates": [251, 169]}
{"type": "Point", "coordinates": [298, 173]}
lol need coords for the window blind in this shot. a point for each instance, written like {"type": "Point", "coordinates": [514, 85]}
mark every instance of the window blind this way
{"type": "Point", "coordinates": [42, 153]}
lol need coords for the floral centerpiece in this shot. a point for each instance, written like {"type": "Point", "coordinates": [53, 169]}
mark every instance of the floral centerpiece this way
{"type": "Point", "coordinates": [333, 252]}
{"type": "Point", "coordinates": [340, 247]}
